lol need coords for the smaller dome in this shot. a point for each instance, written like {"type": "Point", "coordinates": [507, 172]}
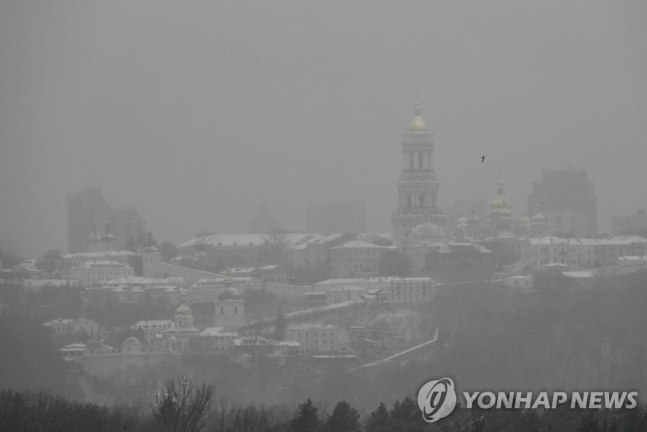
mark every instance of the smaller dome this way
{"type": "Point", "coordinates": [108, 237]}
{"type": "Point", "coordinates": [525, 221]}
{"type": "Point", "coordinates": [150, 249]}
{"type": "Point", "coordinates": [499, 203]}
{"type": "Point", "coordinates": [132, 341]}
{"type": "Point", "coordinates": [462, 221]}
{"type": "Point", "coordinates": [183, 309]}
{"type": "Point", "coordinates": [201, 254]}
{"type": "Point", "coordinates": [538, 218]}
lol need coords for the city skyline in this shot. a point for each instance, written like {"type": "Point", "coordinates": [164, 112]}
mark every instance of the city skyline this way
{"type": "Point", "coordinates": [200, 141]}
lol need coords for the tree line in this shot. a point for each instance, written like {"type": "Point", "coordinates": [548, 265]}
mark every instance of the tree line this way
{"type": "Point", "coordinates": [181, 406]}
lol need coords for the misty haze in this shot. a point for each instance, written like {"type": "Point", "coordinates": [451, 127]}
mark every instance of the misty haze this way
{"type": "Point", "coordinates": [332, 216]}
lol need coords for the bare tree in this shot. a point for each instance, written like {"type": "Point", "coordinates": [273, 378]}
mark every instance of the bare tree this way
{"type": "Point", "coordinates": [182, 408]}
{"type": "Point", "coordinates": [251, 418]}
{"type": "Point", "coordinates": [226, 417]}
{"type": "Point", "coordinates": [276, 241]}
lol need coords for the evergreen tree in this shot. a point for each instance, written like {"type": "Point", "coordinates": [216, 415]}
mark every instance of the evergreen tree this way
{"type": "Point", "coordinates": [306, 418]}
{"type": "Point", "coordinates": [168, 250]}
{"type": "Point", "coordinates": [406, 415]}
{"type": "Point", "coordinates": [589, 424]}
{"type": "Point", "coordinates": [344, 418]}
{"type": "Point", "coordinates": [380, 420]}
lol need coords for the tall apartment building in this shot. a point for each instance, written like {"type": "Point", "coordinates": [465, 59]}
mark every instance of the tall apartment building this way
{"type": "Point", "coordinates": [337, 217]}
{"type": "Point", "coordinates": [566, 198]}
{"type": "Point", "coordinates": [88, 208]}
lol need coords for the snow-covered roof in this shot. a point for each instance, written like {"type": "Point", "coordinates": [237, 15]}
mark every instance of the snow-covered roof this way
{"type": "Point", "coordinates": [579, 274]}
{"type": "Point", "coordinates": [347, 288]}
{"type": "Point", "coordinates": [99, 254]}
{"type": "Point", "coordinates": [241, 270]}
{"type": "Point", "coordinates": [70, 321]}
{"type": "Point", "coordinates": [153, 324]}
{"type": "Point", "coordinates": [249, 239]}
{"type": "Point", "coordinates": [73, 347]}
{"type": "Point", "coordinates": [144, 281]}
{"type": "Point", "coordinates": [221, 281]}
{"type": "Point", "coordinates": [103, 263]}
{"type": "Point", "coordinates": [633, 258]}
{"type": "Point", "coordinates": [613, 241]}
{"type": "Point", "coordinates": [290, 343]}
{"type": "Point", "coordinates": [52, 282]}
{"type": "Point", "coordinates": [217, 331]}
{"type": "Point", "coordinates": [312, 327]}
{"type": "Point", "coordinates": [361, 244]}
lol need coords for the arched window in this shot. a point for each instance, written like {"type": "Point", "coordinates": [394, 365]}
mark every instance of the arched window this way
{"type": "Point", "coordinates": [222, 310]}
{"type": "Point", "coordinates": [422, 200]}
{"type": "Point", "coordinates": [408, 200]}
{"type": "Point", "coordinates": [235, 310]}
{"type": "Point", "coordinates": [411, 165]}
{"type": "Point", "coordinates": [420, 164]}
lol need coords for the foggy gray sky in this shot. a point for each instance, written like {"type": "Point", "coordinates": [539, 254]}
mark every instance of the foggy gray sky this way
{"type": "Point", "coordinates": [196, 111]}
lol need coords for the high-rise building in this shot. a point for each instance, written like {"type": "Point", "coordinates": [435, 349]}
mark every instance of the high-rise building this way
{"type": "Point", "coordinates": [336, 217]}
{"type": "Point", "coordinates": [566, 198]}
{"type": "Point", "coordinates": [84, 209]}
{"type": "Point", "coordinates": [127, 223]}
{"type": "Point", "coordinates": [88, 208]}
{"type": "Point", "coordinates": [418, 185]}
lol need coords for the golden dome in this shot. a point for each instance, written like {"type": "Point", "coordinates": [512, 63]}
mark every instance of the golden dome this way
{"type": "Point", "coordinates": [525, 221]}
{"type": "Point", "coordinates": [500, 204]}
{"type": "Point", "coordinates": [538, 218]}
{"type": "Point", "coordinates": [462, 221]}
{"type": "Point", "coordinates": [183, 309]}
{"type": "Point", "coordinates": [417, 125]}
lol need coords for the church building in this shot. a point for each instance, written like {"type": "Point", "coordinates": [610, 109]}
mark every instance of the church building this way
{"type": "Point", "coordinates": [418, 185]}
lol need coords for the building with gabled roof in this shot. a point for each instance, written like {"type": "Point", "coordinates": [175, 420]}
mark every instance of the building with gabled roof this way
{"type": "Point", "coordinates": [357, 257]}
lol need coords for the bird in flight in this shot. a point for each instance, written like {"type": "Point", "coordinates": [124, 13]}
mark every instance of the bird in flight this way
{"type": "Point", "coordinates": [482, 159]}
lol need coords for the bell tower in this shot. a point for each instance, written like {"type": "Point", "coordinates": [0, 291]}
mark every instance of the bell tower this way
{"type": "Point", "coordinates": [417, 186]}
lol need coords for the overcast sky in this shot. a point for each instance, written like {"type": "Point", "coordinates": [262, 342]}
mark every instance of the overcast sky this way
{"type": "Point", "coordinates": [195, 112]}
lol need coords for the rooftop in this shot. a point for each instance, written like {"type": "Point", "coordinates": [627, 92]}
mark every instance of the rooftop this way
{"type": "Point", "coordinates": [361, 244]}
